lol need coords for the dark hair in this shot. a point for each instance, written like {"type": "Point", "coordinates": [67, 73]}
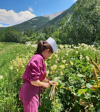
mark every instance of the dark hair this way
{"type": "Point", "coordinates": [43, 45]}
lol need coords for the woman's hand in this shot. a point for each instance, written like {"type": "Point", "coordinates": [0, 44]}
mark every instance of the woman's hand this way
{"type": "Point", "coordinates": [46, 85]}
{"type": "Point", "coordinates": [52, 82]}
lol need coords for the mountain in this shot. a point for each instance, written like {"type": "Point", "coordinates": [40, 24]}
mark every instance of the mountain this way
{"type": "Point", "coordinates": [52, 16]}
{"type": "Point", "coordinates": [38, 23]}
{"type": "Point", "coordinates": [56, 21]}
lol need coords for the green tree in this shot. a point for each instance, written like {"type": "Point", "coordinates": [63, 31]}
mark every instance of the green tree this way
{"type": "Point", "coordinates": [86, 21]}
{"type": "Point", "coordinates": [11, 35]}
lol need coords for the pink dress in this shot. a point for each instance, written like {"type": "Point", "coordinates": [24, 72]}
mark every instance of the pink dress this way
{"type": "Point", "coordinates": [30, 94]}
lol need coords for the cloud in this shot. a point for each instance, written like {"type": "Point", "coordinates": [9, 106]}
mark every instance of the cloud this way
{"type": "Point", "coordinates": [10, 17]}
{"type": "Point", "coordinates": [1, 25]}
{"type": "Point", "coordinates": [35, 3]}
{"type": "Point", "coordinates": [30, 9]}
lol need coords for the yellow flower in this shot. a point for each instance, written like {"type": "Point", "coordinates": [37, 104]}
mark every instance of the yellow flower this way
{"type": "Point", "coordinates": [6, 74]}
{"type": "Point", "coordinates": [56, 55]}
{"type": "Point", "coordinates": [47, 73]}
{"type": "Point", "coordinates": [17, 70]}
{"type": "Point", "coordinates": [61, 73]}
{"type": "Point", "coordinates": [64, 61]}
{"type": "Point", "coordinates": [11, 67]}
{"type": "Point", "coordinates": [15, 64]}
{"type": "Point", "coordinates": [66, 64]}
{"type": "Point", "coordinates": [76, 51]}
{"type": "Point", "coordinates": [46, 63]}
{"type": "Point", "coordinates": [23, 60]}
{"type": "Point", "coordinates": [71, 63]}
{"type": "Point", "coordinates": [66, 54]}
{"type": "Point", "coordinates": [62, 66]}
{"type": "Point", "coordinates": [53, 67]}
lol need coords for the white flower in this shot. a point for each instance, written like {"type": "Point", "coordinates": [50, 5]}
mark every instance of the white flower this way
{"type": "Point", "coordinates": [61, 46]}
{"type": "Point", "coordinates": [53, 67]}
{"type": "Point", "coordinates": [81, 57]}
{"type": "Point", "coordinates": [11, 67]}
{"type": "Point", "coordinates": [71, 63]}
{"type": "Point", "coordinates": [62, 66]}
{"type": "Point", "coordinates": [66, 64]}
{"type": "Point", "coordinates": [1, 76]}
{"type": "Point", "coordinates": [64, 61]}
{"type": "Point", "coordinates": [87, 58]}
{"type": "Point", "coordinates": [66, 54]}
{"type": "Point", "coordinates": [56, 55]}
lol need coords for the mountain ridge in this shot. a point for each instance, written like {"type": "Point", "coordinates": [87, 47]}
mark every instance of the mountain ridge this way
{"type": "Point", "coordinates": [37, 23]}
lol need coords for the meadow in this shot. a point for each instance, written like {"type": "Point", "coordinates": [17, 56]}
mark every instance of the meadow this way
{"type": "Point", "coordinates": [76, 70]}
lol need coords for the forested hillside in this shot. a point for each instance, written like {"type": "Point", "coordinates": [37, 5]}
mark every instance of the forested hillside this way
{"type": "Point", "coordinates": [79, 24]}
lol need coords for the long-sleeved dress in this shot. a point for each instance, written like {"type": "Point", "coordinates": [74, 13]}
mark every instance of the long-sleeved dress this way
{"type": "Point", "coordinates": [30, 94]}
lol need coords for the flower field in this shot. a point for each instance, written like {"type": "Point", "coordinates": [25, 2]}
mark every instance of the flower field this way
{"type": "Point", "coordinates": [76, 70]}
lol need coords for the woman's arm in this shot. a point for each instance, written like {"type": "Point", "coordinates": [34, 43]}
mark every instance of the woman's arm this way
{"type": "Point", "coordinates": [39, 83]}
{"type": "Point", "coordinates": [47, 79]}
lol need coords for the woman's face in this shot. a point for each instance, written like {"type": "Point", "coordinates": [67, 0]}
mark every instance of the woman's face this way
{"type": "Point", "coordinates": [46, 53]}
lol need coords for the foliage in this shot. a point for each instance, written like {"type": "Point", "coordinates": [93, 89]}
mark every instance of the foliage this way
{"type": "Point", "coordinates": [11, 35]}
{"type": "Point", "coordinates": [84, 24]}
{"type": "Point", "coordinates": [77, 88]}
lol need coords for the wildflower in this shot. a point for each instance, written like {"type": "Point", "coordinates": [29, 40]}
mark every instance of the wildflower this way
{"type": "Point", "coordinates": [11, 67]}
{"type": "Point", "coordinates": [23, 60]}
{"type": "Point", "coordinates": [71, 63]}
{"type": "Point", "coordinates": [95, 75]}
{"type": "Point", "coordinates": [76, 51]}
{"type": "Point", "coordinates": [64, 61]}
{"type": "Point", "coordinates": [66, 46]}
{"type": "Point", "coordinates": [87, 58]}
{"type": "Point", "coordinates": [81, 57]}
{"type": "Point", "coordinates": [66, 54]}
{"type": "Point", "coordinates": [46, 63]}
{"type": "Point", "coordinates": [1, 76]}
{"type": "Point", "coordinates": [47, 73]}
{"type": "Point", "coordinates": [53, 67]}
{"type": "Point", "coordinates": [95, 64]}
{"type": "Point", "coordinates": [62, 66]}
{"type": "Point", "coordinates": [6, 74]}
{"type": "Point", "coordinates": [17, 70]}
{"type": "Point", "coordinates": [61, 46]}
{"type": "Point", "coordinates": [61, 73]}
{"type": "Point", "coordinates": [66, 64]}
{"type": "Point", "coordinates": [56, 55]}
{"type": "Point", "coordinates": [95, 87]}
{"type": "Point", "coordinates": [76, 47]}
{"type": "Point", "coordinates": [15, 63]}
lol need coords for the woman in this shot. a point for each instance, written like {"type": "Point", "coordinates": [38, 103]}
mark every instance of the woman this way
{"type": "Point", "coordinates": [34, 76]}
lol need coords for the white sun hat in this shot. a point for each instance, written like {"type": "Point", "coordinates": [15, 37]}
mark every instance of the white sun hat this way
{"type": "Point", "coordinates": [53, 44]}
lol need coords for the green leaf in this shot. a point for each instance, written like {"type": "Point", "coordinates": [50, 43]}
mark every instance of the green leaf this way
{"type": "Point", "coordinates": [80, 75]}
{"type": "Point", "coordinates": [80, 91]}
{"type": "Point", "coordinates": [88, 85]}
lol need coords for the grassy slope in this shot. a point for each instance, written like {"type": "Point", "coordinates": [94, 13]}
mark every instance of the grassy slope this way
{"type": "Point", "coordinates": [9, 51]}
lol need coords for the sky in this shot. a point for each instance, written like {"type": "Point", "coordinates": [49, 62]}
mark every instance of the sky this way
{"type": "Point", "coordinates": [14, 12]}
